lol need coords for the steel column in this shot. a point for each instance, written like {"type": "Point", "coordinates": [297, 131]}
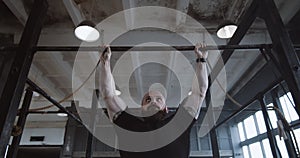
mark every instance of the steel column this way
{"type": "Point", "coordinates": [214, 142]}
{"type": "Point", "coordinates": [15, 81]}
{"type": "Point", "coordinates": [89, 145]}
{"type": "Point", "coordinates": [283, 47]}
{"type": "Point", "coordinates": [14, 147]}
{"type": "Point", "coordinates": [70, 135]}
{"type": "Point", "coordinates": [212, 133]}
{"type": "Point", "coordinates": [271, 137]}
{"type": "Point", "coordinates": [92, 125]}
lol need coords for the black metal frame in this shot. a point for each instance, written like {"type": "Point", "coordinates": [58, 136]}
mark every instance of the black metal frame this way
{"type": "Point", "coordinates": [37, 89]}
{"type": "Point", "coordinates": [18, 71]}
{"type": "Point", "coordinates": [90, 139]}
{"type": "Point", "coordinates": [283, 48]}
{"type": "Point", "coordinates": [14, 147]}
{"type": "Point", "coordinates": [289, 61]}
{"type": "Point", "coordinates": [271, 137]}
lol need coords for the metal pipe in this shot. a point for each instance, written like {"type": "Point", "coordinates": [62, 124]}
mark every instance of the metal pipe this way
{"type": "Point", "coordinates": [45, 95]}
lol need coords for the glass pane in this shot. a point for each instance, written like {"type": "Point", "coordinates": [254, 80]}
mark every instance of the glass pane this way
{"type": "Point", "coordinates": [245, 152]}
{"type": "Point", "coordinates": [241, 131]}
{"type": "Point", "coordinates": [281, 147]}
{"type": "Point", "coordinates": [273, 118]}
{"type": "Point", "coordinates": [285, 109]}
{"type": "Point", "coordinates": [288, 108]}
{"type": "Point", "coordinates": [297, 134]}
{"type": "Point", "coordinates": [250, 127]}
{"type": "Point", "coordinates": [255, 150]}
{"type": "Point", "coordinates": [260, 122]}
{"type": "Point", "coordinates": [267, 148]}
{"type": "Point", "coordinates": [194, 139]}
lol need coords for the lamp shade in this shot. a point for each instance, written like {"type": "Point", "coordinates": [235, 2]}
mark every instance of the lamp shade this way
{"type": "Point", "coordinates": [226, 29]}
{"type": "Point", "coordinates": [86, 31]}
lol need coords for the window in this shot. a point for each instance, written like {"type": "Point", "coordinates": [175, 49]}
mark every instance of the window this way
{"type": "Point", "coordinates": [260, 122]}
{"type": "Point", "coordinates": [297, 135]}
{"type": "Point", "coordinates": [287, 104]}
{"type": "Point", "coordinates": [255, 150]}
{"type": "Point", "coordinates": [273, 117]}
{"type": "Point", "coordinates": [245, 151]}
{"type": "Point", "coordinates": [254, 127]}
{"type": "Point", "coordinates": [250, 127]}
{"type": "Point", "coordinates": [241, 131]}
{"type": "Point", "coordinates": [281, 146]}
{"type": "Point", "coordinates": [267, 148]}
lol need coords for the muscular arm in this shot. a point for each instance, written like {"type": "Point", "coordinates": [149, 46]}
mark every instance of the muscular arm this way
{"type": "Point", "coordinates": [113, 102]}
{"type": "Point", "coordinates": [199, 86]}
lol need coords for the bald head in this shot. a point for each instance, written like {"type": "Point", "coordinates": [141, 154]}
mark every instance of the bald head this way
{"type": "Point", "coordinates": [153, 97]}
{"type": "Point", "coordinates": [154, 105]}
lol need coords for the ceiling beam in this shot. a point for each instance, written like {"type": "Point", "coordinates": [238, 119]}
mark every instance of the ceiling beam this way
{"type": "Point", "coordinates": [35, 75]}
{"type": "Point", "coordinates": [257, 85]}
{"type": "Point", "coordinates": [18, 9]}
{"type": "Point", "coordinates": [137, 73]}
{"type": "Point", "coordinates": [74, 12]}
{"type": "Point", "coordinates": [182, 6]}
{"type": "Point", "coordinates": [66, 69]}
{"type": "Point", "coordinates": [129, 14]}
{"type": "Point", "coordinates": [289, 10]}
{"type": "Point", "coordinates": [247, 75]}
{"type": "Point", "coordinates": [169, 75]}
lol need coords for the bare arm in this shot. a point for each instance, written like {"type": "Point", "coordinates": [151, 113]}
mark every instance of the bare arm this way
{"type": "Point", "coordinates": [113, 102]}
{"type": "Point", "coordinates": [194, 102]}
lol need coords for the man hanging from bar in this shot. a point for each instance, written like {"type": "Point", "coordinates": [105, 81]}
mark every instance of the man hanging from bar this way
{"type": "Point", "coordinates": [155, 113]}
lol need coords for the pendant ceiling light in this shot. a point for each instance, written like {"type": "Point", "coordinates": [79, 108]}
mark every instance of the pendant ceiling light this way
{"type": "Point", "coordinates": [86, 31]}
{"type": "Point", "coordinates": [226, 29]}
{"type": "Point", "coordinates": [118, 92]}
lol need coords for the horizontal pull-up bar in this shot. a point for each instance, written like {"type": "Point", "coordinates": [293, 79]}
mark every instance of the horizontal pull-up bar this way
{"type": "Point", "coordinates": [149, 48]}
{"type": "Point", "coordinates": [134, 48]}
{"type": "Point", "coordinates": [140, 48]}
